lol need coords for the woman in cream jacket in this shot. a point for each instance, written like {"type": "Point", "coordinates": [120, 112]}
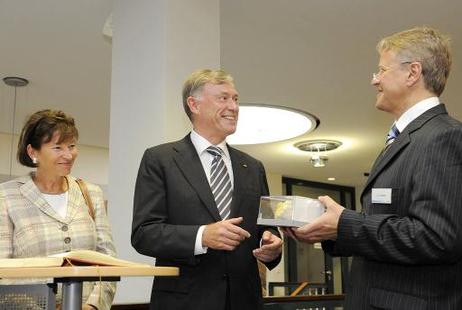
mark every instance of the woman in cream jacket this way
{"type": "Point", "coordinates": [45, 213]}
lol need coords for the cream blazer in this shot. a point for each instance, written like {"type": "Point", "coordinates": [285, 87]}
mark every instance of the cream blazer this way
{"type": "Point", "coordinates": [29, 227]}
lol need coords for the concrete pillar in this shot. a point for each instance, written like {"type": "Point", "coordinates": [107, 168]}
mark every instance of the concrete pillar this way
{"type": "Point", "coordinates": [156, 44]}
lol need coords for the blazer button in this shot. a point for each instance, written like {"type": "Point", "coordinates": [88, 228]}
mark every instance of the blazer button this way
{"type": "Point", "coordinates": [225, 276]}
{"type": "Point", "coordinates": [67, 240]}
{"type": "Point", "coordinates": [64, 228]}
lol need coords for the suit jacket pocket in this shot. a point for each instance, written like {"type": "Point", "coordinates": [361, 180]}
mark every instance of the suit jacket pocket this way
{"type": "Point", "coordinates": [192, 261]}
{"type": "Point", "coordinates": [388, 300]}
{"type": "Point", "coordinates": [172, 284]}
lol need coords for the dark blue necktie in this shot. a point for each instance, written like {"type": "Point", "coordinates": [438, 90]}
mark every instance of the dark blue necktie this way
{"type": "Point", "coordinates": [392, 135]}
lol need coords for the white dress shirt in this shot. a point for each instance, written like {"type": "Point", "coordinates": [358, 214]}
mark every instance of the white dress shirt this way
{"type": "Point", "coordinates": [415, 111]}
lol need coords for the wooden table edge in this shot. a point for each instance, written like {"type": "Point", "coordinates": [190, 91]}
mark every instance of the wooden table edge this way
{"type": "Point", "coordinates": [87, 271]}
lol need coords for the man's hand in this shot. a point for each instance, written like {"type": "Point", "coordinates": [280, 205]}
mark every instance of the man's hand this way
{"type": "Point", "coordinates": [224, 235]}
{"type": "Point", "coordinates": [321, 229]}
{"type": "Point", "coordinates": [270, 249]}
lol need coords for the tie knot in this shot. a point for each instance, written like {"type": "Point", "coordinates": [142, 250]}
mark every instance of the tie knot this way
{"type": "Point", "coordinates": [214, 150]}
{"type": "Point", "coordinates": [392, 134]}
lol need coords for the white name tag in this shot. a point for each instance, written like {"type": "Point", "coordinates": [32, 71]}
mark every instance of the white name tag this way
{"type": "Point", "coordinates": [381, 195]}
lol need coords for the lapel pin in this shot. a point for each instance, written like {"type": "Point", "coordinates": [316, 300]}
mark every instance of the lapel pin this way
{"type": "Point", "coordinates": [244, 165]}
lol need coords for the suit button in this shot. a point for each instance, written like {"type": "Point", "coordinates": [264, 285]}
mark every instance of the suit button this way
{"type": "Point", "coordinates": [64, 228]}
{"type": "Point", "coordinates": [67, 240]}
{"type": "Point", "coordinates": [225, 276]}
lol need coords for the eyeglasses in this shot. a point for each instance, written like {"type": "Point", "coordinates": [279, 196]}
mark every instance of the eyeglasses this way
{"type": "Point", "coordinates": [382, 70]}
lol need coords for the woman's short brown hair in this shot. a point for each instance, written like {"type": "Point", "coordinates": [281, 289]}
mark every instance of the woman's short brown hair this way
{"type": "Point", "coordinates": [40, 128]}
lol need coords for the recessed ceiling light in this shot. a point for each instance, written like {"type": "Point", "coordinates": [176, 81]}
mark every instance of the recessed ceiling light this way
{"type": "Point", "coordinates": [331, 179]}
{"type": "Point", "coordinates": [260, 123]}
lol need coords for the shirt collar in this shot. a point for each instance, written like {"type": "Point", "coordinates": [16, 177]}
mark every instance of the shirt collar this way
{"type": "Point", "coordinates": [415, 111]}
{"type": "Point", "coordinates": [201, 144]}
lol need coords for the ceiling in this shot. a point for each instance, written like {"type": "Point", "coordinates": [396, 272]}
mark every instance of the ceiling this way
{"type": "Point", "coordinates": [312, 55]}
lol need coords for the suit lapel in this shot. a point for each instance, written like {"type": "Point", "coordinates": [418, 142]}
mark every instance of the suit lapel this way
{"type": "Point", "coordinates": [190, 165]}
{"type": "Point", "coordinates": [401, 142]}
{"type": "Point", "coordinates": [386, 156]}
{"type": "Point", "coordinates": [75, 199]}
{"type": "Point", "coordinates": [30, 191]}
{"type": "Point", "coordinates": [240, 168]}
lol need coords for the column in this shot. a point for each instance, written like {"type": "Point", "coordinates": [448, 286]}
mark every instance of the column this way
{"type": "Point", "coordinates": [156, 44]}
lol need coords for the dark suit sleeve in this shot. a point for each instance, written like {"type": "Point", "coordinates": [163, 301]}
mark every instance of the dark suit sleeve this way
{"type": "Point", "coordinates": [152, 234]}
{"type": "Point", "coordinates": [430, 230]}
{"type": "Point", "coordinates": [262, 229]}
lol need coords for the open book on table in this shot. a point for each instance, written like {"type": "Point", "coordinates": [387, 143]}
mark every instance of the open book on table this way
{"type": "Point", "coordinates": [72, 258]}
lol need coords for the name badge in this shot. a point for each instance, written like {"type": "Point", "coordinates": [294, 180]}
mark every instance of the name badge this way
{"type": "Point", "coordinates": [381, 195]}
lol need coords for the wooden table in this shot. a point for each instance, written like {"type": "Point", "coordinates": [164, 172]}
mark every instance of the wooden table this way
{"type": "Point", "coordinates": [73, 277]}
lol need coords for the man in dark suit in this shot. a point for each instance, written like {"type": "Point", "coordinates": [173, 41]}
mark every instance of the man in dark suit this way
{"type": "Point", "coordinates": [407, 241]}
{"type": "Point", "coordinates": [196, 205]}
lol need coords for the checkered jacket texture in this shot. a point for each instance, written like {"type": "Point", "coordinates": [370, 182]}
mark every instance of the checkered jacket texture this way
{"type": "Point", "coordinates": [30, 227]}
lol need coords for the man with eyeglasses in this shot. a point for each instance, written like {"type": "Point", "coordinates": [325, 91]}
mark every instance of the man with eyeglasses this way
{"type": "Point", "coordinates": [407, 241]}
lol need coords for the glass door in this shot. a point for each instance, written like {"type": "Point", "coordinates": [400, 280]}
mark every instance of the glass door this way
{"type": "Point", "coordinates": [309, 263]}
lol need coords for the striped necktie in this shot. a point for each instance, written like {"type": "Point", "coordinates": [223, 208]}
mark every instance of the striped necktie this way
{"type": "Point", "coordinates": [220, 182]}
{"type": "Point", "coordinates": [392, 135]}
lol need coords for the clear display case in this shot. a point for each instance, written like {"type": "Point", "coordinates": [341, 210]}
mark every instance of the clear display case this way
{"type": "Point", "coordinates": [290, 211]}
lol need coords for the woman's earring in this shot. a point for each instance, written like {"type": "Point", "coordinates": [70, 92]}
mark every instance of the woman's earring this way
{"type": "Point", "coordinates": [34, 160]}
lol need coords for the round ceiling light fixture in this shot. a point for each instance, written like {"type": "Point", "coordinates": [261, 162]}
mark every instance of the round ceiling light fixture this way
{"type": "Point", "coordinates": [259, 123]}
{"type": "Point", "coordinates": [318, 161]}
{"type": "Point", "coordinates": [318, 147]}
{"type": "Point", "coordinates": [15, 81]}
